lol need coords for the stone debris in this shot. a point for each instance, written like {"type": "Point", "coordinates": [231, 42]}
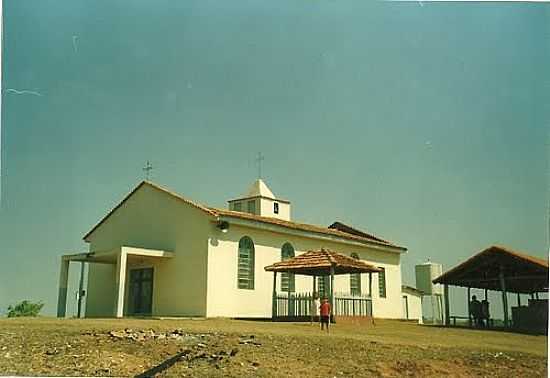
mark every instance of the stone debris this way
{"type": "Point", "coordinates": [177, 334]}
{"type": "Point", "coordinates": [52, 352]}
{"type": "Point", "coordinates": [250, 341]}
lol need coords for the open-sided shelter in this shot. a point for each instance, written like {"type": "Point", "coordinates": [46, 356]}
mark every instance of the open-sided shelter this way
{"type": "Point", "coordinates": [501, 269]}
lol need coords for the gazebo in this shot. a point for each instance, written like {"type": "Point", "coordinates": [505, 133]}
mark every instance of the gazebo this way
{"type": "Point", "coordinates": [501, 269]}
{"type": "Point", "coordinates": [321, 263]}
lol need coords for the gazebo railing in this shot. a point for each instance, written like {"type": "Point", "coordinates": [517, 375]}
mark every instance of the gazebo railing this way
{"type": "Point", "coordinates": [299, 305]}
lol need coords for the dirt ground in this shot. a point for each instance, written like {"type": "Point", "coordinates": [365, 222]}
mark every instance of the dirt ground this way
{"type": "Point", "coordinates": [232, 348]}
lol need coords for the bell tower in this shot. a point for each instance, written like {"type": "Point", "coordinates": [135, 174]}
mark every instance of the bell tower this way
{"type": "Point", "coordinates": [260, 200]}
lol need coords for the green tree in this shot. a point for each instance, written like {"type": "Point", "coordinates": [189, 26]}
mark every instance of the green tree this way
{"type": "Point", "coordinates": [25, 308]}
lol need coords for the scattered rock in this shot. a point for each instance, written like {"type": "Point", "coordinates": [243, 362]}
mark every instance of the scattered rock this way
{"type": "Point", "coordinates": [233, 352]}
{"type": "Point", "coordinates": [118, 334]}
{"type": "Point", "coordinates": [52, 352]}
{"type": "Point", "coordinates": [255, 364]}
{"type": "Point", "coordinates": [201, 345]}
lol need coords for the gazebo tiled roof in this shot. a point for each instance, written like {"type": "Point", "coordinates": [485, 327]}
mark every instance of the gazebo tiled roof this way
{"type": "Point", "coordinates": [319, 263]}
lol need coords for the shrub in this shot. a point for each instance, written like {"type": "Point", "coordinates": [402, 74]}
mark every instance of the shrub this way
{"type": "Point", "coordinates": [25, 308]}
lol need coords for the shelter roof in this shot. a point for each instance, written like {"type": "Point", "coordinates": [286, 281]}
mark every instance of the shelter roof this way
{"type": "Point", "coordinates": [522, 273]}
{"type": "Point", "coordinates": [319, 263]}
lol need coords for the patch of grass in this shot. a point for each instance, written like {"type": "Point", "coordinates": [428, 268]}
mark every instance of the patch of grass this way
{"type": "Point", "coordinates": [44, 346]}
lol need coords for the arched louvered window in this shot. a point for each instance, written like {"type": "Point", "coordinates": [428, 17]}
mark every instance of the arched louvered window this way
{"type": "Point", "coordinates": [245, 275]}
{"type": "Point", "coordinates": [287, 279]}
{"type": "Point", "coordinates": [323, 286]}
{"type": "Point", "coordinates": [355, 280]}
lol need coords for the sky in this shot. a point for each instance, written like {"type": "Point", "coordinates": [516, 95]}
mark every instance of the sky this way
{"type": "Point", "coordinates": [426, 124]}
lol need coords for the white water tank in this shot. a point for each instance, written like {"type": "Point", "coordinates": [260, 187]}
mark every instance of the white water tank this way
{"type": "Point", "coordinates": [425, 274]}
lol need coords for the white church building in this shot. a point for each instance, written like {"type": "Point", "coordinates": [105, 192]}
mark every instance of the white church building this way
{"type": "Point", "coordinates": [160, 254]}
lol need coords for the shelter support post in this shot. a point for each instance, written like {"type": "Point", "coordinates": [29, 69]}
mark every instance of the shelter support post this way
{"type": "Point", "coordinates": [332, 291]}
{"type": "Point", "coordinates": [537, 295]}
{"type": "Point", "coordinates": [274, 296]}
{"type": "Point", "coordinates": [447, 309]}
{"type": "Point", "coordinates": [63, 282]}
{"type": "Point", "coordinates": [532, 295]}
{"type": "Point", "coordinates": [519, 300]}
{"type": "Point", "coordinates": [120, 283]}
{"type": "Point", "coordinates": [80, 290]}
{"type": "Point", "coordinates": [504, 296]}
{"type": "Point", "coordinates": [486, 294]}
{"type": "Point", "coordinates": [469, 310]}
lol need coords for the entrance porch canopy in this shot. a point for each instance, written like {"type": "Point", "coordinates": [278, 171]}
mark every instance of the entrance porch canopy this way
{"type": "Point", "coordinates": [117, 256]}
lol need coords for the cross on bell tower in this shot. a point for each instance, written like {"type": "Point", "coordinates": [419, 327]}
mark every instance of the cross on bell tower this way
{"type": "Point", "coordinates": [259, 159]}
{"type": "Point", "coordinates": [147, 169]}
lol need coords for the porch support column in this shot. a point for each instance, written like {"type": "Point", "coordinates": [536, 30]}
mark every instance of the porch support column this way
{"type": "Point", "coordinates": [504, 296]}
{"type": "Point", "coordinates": [469, 310]}
{"type": "Point", "coordinates": [332, 290]}
{"type": "Point", "coordinates": [120, 282]}
{"type": "Point", "coordinates": [447, 309]}
{"type": "Point", "coordinates": [63, 281]}
{"type": "Point", "coordinates": [274, 297]}
{"type": "Point", "coordinates": [80, 290]}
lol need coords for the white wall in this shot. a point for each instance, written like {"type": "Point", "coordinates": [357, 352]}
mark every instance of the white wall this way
{"type": "Point", "coordinates": [225, 299]}
{"type": "Point", "coordinates": [155, 220]}
{"type": "Point", "coordinates": [415, 306]}
{"type": "Point", "coordinates": [266, 209]}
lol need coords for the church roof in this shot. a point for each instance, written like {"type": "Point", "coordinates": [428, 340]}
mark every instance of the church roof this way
{"type": "Point", "coordinates": [318, 263]}
{"type": "Point", "coordinates": [350, 230]}
{"type": "Point", "coordinates": [306, 227]}
{"type": "Point", "coordinates": [257, 218]}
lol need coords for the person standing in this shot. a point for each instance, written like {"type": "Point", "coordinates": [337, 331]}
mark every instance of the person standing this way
{"type": "Point", "coordinates": [475, 311]}
{"type": "Point", "coordinates": [325, 314]}
{"type": "Point", "coordinates": [315, 305]}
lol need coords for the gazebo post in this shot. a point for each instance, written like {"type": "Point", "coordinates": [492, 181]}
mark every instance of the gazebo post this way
{"type": "Point", "coordinates": [332, 290]}
{"type": "Point", "coordinates": [370, 285]}
{"type": "Point", "coordinates": [312, 306]}
{"type": "Point", "coordinates": [288, 294]}
{"type": "Point", "coordinates": [504, 296]}
{"type": "Point", "coordinates": [469, 309]}
{"type": "Point", "coordinates": [447, 309]}
{"type": "Point", "coordinates": [274, 298]}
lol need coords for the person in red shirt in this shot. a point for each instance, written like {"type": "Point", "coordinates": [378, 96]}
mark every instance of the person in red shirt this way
{"type": "Point", "coordinates": [325, 313]}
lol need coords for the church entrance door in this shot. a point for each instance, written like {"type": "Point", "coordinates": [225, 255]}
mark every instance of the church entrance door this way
{"type": "Point", "coordinates": [141, 291]}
